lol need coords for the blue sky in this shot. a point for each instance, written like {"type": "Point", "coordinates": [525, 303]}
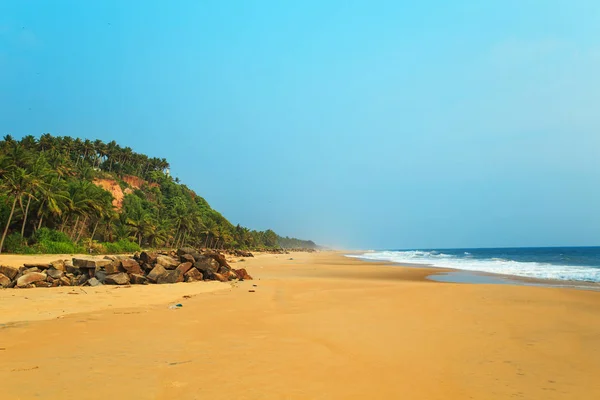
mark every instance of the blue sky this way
{"type": "Point", "coordinates": [365, 124]}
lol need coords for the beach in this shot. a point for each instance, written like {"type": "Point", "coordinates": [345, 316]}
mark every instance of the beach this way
{"type": "Point", "coordinates": [309, 326]}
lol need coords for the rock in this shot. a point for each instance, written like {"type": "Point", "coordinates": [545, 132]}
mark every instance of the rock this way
{"type": "Point", "coordinates": [220, 277]}
{"type": "Point", "coordinates": [30, 278]}
{"type": "Point", "coordinates": [39, 266]}
{"type": "Point", "coordinates": [117, 279]}
{"type": "Point", "coordinates": [10, 272]}
{"type": "Point", "coordinates": [156, 273]}
{"type": "Point", "coordinates": [111, 258]}
{"type": "Point", "coordinates": [187, 258]}
{"type": "Point", "coordinates": [54, 273]}
{"type": "Point", "coordinates": [193, 275]}
{"type": "Point", "coordinates": [184, 267]}
{"type": "Point", "coordinates": [220, 258]}
{"type": "Point", "coordinates": [81, 279]}
{"type": "Point", "coordinates": [56, 283]}
{"type": "Point", "coordinates": [242, 274]}
{"type": "Point", "coordinates": [71, 269]}
{"type": "Point", "coordinates": [65, 281]}
{"type": "Point", "coordinates": [42, 284]}
{"type": "Point", "coordinates": [224, 270]}
{"type": "Point", "coordinates": [4, 281]}
{"type": "Point", "coordinates": [100, 275]}
{"type": "Point", "coordinates": [206, 265]}
{"type": "Point", "coordinates": [88, 263]}
{"type": "Point", "coordinates": [131, 266]}
{"type": "Point", "coordinates": [94, 282]}
{"type": "Point", "coordinates": [189, 251]}
{"type": "Point", "coordinates": [242, 253]}
{"type": "Point", "coordinates": [138, 279]}
{"type": "Point", "coordinates": [114, 267]}
{"type": "Point", "coordinates": [148, 258]}
{"type": "Point", "coordinates": [58, 264]}
{"type": "Point", "coordinates": [172, 276]}
{"type": "Point", "coordinates": [166, 262]}
{"type": "Point", "coordinates": [146, 267]}
{"type": "Point", "coordinates": [29, 270]}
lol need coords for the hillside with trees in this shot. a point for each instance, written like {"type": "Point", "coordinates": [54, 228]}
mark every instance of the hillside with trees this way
{"type": "Point", "coordinates": [53, 199]}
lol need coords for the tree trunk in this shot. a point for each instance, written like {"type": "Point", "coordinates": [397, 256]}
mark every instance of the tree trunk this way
{"type": "Point", "coordinates": [75, 228]}
{"type": "Point", "coordinates": [206, 241]}
{"type": "Point", "coordinates": [94, 231]}
{"type": "Point", "coordinates": [82, 228]}
{"type": "Point", "coordinates": [25, 217]}
{"type": "Point", "coordinates": [140, 239]}
{"type": "Point", "coordinates": [12, 211]}
{"type": "Point", "coordinates": [40, 223]}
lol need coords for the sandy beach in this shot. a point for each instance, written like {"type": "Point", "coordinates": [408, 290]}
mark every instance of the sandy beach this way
{"type": "Point", "coordinates": [318, 326]}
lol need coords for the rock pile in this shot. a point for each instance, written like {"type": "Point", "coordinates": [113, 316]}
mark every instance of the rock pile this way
{"type": "Point", "coordinates": [184, 265]}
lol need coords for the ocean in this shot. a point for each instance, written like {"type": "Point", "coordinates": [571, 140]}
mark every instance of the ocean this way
{"type": "Point", "coordinates": [561, 263]}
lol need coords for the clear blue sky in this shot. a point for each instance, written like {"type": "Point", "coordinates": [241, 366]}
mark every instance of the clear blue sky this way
{"type": "Point", "coordinates": [366, 124]}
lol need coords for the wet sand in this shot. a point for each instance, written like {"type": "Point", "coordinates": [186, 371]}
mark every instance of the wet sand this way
{"type": "Point", "coordinates": [318, 326]}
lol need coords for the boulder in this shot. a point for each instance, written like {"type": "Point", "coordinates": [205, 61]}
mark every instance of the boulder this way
{"type": "Point", "coordinates": [8, 271]}
{"type": "Point", "coordinates": [184, 267]}
{"type": "Point", "coordinates": [42, 284]}
{"type": "Point", "coordinates": [220, 277]}
{"type": "Point", "coordinates": [167, 262]}
{"type": "Point", "coordinates": [89, 263]}
{"type": "Point", "coordinates": [149, 258]}
{"type": "Point", "coordinates": [58, 264]}
{"type": "Point", "coordinates": [29, 270]}
{"type": "Point", "coordinates": [71, 269]}
{"type": "Point", "coordinates": [224, 270]}
{"type": "Point", "coordinates": [220, 258]}
{"type": "Point", "coordinates": [65, 281]}
{"type": "Point", "coordinates": [131, 266]}
{"type": "Point", "coordinates": [187, 258]}
{"type": "Point", "coordinates": [172, 276]}
{"type": "Point", "coordinates": [37, 265]}
{"type": "Point", "coordinates": [117, 279]}
{"type": "Point", "coordinates": [156, 273]}
{"type": "Point", "coordinates": [242, 274]}
{"type": "Point", "coordinates": [30, 278]}
{"type": "Point", "coordinates": [100, 275]}
{"type": "Point", "coordinates": [4, 281]}
{"type": "Point", "coordinates": [54, 273]}
{"type": "Point", "coordinates": [138, 279]}
{"type": "Point", "coordinates": [81, 280]}
{"type": "Point", "coordinates": [94, 282]}
{"type": "Point", "coordinates": [206, 265]}
{"type": "Point", "coordinates": [114, 267]}
{"type": "Point", "coordinates": [188, 251]}
{"type": "Point", "coordinates": [193, 275]}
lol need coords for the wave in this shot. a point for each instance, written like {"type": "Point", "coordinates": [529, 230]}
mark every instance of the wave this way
{"type": "Point", "coordinates": [491, 265]}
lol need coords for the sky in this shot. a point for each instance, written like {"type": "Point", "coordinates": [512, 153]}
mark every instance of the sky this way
{"type": "Point", "coordinates": [358, 124]}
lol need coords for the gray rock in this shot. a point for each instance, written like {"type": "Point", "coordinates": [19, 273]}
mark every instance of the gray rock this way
{"type": "Point", "coordinates": [30, 278]}
{"type": "Point", "coordinates": [172, 276]}
{"type": "Point", "coordinates": [167, 262]}
{"type": "Point", "coordinates": [207, 265]}
{"type": "Point", "coordinates": [54, 273]}
{"type": "Point", "coordinates": [86, 263]}
{"type": "Point", "coordinates": [147, 257]}
{"type": "Point", "coordinates": [156, 273]}
{"type": "Point", "coordinates": [138, 279]}
{"type": "Point", "coordinates": [94, 282]}
{"type": "Point", "coordinates": [100, 275]}
{"type": "Point", "coordinates": [117, 279]}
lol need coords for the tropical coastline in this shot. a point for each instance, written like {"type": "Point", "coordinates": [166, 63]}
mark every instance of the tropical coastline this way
{"type": "Point", "coordinates": [306, 323]}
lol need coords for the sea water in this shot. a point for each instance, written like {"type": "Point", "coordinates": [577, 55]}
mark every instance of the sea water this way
{"type": "Point", "coordinates": [562, 263]}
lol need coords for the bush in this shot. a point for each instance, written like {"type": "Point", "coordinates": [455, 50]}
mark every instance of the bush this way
{"type": "Point", "coordinates": [121, 246]}
{"type": "Point", "coordinates": [50, 235]}
{"type": "Point", "coordinates": [14, 243]}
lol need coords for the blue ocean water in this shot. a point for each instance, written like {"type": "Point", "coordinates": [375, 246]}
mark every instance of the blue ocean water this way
{"type": "Point", "coordinates": [563, 263]}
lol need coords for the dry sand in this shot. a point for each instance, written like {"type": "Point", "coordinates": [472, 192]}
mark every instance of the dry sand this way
{"type": "Point", "coordinates": [319, 326]}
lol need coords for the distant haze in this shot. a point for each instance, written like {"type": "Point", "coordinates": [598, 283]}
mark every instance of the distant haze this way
{"type": "Point", "coordinates": [366, 124]}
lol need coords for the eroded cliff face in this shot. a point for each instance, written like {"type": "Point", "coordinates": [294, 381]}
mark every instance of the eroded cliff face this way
{"type": "Point", "coordinates": [112, 186]}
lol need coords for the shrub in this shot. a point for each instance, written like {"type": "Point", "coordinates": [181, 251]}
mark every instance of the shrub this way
{"type": "Point", "coordinates": [50, 235]}
{"type": "Point", "coordinates": [121, 246]}
{"type": "Point", "coordinates": [14, 243]}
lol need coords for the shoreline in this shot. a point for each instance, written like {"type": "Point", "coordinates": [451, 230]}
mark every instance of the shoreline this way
{"type": "Point", "coordinates": [446, 275]}
{"type": "Point", "coordinates": [306, 323]}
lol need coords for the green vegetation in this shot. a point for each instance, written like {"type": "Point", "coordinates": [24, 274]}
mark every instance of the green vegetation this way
{"type": "Point", "coordinates": [50, 202]}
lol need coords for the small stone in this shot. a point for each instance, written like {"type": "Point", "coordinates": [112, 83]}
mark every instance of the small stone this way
{"type": "Point", "coordinates": [42, 284]}
{"type": "Point", "coordinates": [30, 278]}
{"type": "Point", "coordinates": [65, 281]}
{"type": "Point", "coordinates": [117, 279]}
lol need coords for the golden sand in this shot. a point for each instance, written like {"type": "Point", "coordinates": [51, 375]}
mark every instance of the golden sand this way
{"type": "Point", "coordinates": [318, 326]}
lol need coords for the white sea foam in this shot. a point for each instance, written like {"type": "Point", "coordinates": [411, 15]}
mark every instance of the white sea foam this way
{"type": "Point", "coordinates": [490, 265]}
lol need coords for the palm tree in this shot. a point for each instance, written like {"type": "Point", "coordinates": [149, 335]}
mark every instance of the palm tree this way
{"type": "Point", "coordinates": [16, 182]}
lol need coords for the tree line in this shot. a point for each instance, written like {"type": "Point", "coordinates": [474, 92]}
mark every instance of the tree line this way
{"type": "Point", "coordinates": [48, 198]}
